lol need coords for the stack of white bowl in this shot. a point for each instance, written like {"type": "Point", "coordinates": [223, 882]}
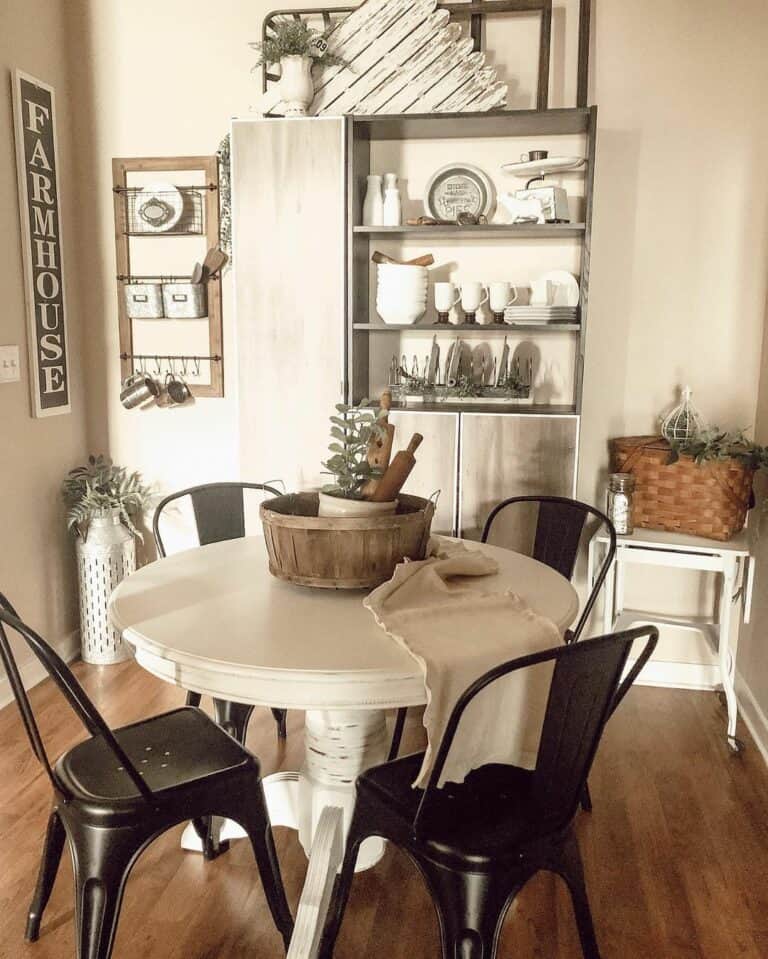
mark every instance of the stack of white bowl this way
{"type": "Point", "coordinates": [401, 296]}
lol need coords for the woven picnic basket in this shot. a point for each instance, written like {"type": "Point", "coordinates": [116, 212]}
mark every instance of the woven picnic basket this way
{"type": "Point", "coordinates": [710, 499]}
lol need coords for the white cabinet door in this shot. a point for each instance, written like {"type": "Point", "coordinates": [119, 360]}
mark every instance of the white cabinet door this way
{"type": "Point", "coordinates": [435, 460]}
{"type": "Point", "coordinates": [288, 203]}
{"type": "Point", "coordinates": [505, 455]}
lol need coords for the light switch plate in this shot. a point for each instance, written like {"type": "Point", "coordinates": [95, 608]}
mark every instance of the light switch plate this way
{"type": "Point", "coordinates": [9, 364]}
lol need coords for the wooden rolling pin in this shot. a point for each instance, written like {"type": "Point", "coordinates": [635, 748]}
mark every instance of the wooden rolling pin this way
{"type": "Point", "coordinates": [380, 450]}
{"type": "Point", "coordinates": [397, 473]}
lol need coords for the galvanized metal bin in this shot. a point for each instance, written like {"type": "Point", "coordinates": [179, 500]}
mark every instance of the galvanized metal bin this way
{"type": "Point", "coordinates": [184, 301]}
{"type": "Point", "coordinates": [144, 301]}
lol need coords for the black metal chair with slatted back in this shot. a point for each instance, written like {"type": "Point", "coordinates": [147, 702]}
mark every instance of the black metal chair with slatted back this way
{"type": "Point", "coordinates": [477, 844]}
{"type": "Point", "coordinates": [557, 533]}
{"type": "Point", "coordinates": [117, 791]}
{"type": "Point", "coordinates": [219, 510]}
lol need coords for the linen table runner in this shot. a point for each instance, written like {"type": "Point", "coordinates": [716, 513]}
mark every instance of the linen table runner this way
{"type": "Point", "coordinates": [438, 610]}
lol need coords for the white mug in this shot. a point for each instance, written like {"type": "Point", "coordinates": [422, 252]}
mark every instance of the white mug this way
{"type": "Point", "coordinates": [472, 296]}
{"type": "Point", "coordinates": [446, 297]}
{"type": "Point", "coordinates": [542, 292]}
{"type": "Point", "coordinates": [501, 295]}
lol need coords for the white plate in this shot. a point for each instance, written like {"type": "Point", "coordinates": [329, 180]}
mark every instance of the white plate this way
{"type": "Point", "coordinates": [542, 167]}
{"type": "Point", "coordinates": [169, 202]}
{"type": "Point", "coordinates": [566, 288]}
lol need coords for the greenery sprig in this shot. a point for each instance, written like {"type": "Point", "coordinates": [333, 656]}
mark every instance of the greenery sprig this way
{"type": "Point", "coordinates": [295, 38]}
{"type": "Point", "coordinates": [352, 430]}
{"type": "Point", "coordinates": [99, 487]}
{"type": "Point", "coordinates": [713, 444]}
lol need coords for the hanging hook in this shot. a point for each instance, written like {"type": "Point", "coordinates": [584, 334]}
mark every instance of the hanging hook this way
{"type": "Point", "coordinates": [158, 366]}
{"type": "Point", "coordinates": [197, 365]}
{"type": "Point", "coordinates": [184, 364]}
{"type": "Point", "coordinates": [142, 366]}
{"type": "Point", "coordinates": [172, 365]}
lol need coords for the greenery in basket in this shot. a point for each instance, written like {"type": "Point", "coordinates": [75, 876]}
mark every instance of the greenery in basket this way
{"type": "Point", "coordinates": [295, 38]}
{"type": "Point", "coordinates": [713, 444]}
{"type": "Point", "coordinates": [351, 432]}
{"type": "Point", "coordinates": [94, 490]}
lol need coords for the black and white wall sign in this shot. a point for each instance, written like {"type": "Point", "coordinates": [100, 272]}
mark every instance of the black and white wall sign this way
{"type": "Point", "coordinates": [34, 108]}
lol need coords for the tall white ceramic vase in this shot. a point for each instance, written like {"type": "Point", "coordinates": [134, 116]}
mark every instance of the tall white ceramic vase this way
{"type": "Point", "coordinates": [296, 87]}
{"type": "Point", "coordinates": [104, 559]}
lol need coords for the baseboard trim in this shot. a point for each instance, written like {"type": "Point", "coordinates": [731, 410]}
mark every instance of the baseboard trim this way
{"type": "Point", "coordinates": [33, 672]}
{"type": "Point", "coordinates": [678, 675]}
{"type": "Point", "coordinates": [754, 718]}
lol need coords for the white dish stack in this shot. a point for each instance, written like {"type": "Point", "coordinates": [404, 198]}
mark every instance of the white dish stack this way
{"type": "Point", "coordinates": [401, 295]}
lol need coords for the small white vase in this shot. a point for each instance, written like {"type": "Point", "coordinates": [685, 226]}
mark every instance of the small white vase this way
{"type": "Point", "coordinates": [104, 559]}
{"type": "Point", "coordinates": [352, 508]}
{"type": "Point", "coordinates": [393, 209]}
{"type": "Point", "coordinates": [296, 86]}
{"type": "Point", "coordinates": [373, 205]}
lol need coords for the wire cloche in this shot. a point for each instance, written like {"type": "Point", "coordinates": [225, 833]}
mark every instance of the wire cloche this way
{"type": "Point", "coordinates": [684, 422]}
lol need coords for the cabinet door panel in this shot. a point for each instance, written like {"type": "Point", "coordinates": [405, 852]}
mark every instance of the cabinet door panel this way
{"type": "Point", "coordinates": [508, 455]}
{"type": "Point", "coordinates": [435, 460]}
{"type": "Point", "coordinates": [288, 192]}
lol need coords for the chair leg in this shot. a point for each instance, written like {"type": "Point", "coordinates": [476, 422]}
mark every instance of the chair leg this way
{"type": "Point", "coordinates": [49, 865]}
{"type": "Point", "coordinates": [103, 861]}
{"type": "Point", "coordinates": [343, 886]}
{"type": "Point", "coordinates": [194, 699]}
{"type": "Point", "coordinates": [397, 735]}
{"type": "Point", "coordinates": [280, 717]}
{"type": "Point", "coordinates": [254, 819]}
{"type": "Point", "coordinates": [233, 717]}
{"type": "Point", "coordinates": [470, 907]}
{"type": "Point", "coordinates": [572, 871]}
{"type": "Point", "coordinates": [586, 798]}
{"type": "Point", "coordinates": [213, 847]}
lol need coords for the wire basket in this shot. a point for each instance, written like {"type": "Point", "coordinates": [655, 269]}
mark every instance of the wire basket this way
{"type": "Point", "coordinates": [177, 211]}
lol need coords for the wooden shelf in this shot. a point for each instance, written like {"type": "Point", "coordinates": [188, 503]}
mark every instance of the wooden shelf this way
{"type": "Point", "coordinates": [539, 231]}
{"type": "Point", "coordinates": [522, 409]}
{"type": "Point", "coordinates": [464, 328]}
{"type": "Point", "coordinates": [455, 126]}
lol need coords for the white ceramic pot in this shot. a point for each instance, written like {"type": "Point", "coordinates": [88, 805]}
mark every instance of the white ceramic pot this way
{"type": "Point", "coordinates": [296, 86]}
{"type": "Point", "coordinates": [104, 559]}
{"type": "Point", "coordinates": [352, 508]}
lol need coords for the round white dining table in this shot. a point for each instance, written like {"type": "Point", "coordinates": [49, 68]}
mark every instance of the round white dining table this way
{"type": "Point", "coordinates": [214, 620]}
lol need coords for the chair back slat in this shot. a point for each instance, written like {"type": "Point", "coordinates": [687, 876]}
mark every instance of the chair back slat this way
{"type": "Point", "coordinates": [558, 534]}
{"type": "Point", "coordinates": [584, 691]}
{"type": "Point", "coordinates": [70, 688]}
{"type": "Point", "coordinates": [219, 510]}
{"type": "Point", "coordinates": [559, 528]}
{"type": "Point", "coordinates": [581, 695]}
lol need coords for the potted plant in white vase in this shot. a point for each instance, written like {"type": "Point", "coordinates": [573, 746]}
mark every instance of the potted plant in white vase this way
{"type": "Point", "coordinates": [104, 501]}
{"type": "Point", "coordinates": [295, 47]}
{"type": "Point", "coordinates": [353, 432]}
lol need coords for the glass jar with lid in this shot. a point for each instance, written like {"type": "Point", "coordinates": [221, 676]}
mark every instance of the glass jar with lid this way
{"type": "Point", "coordinates": [621, 486]}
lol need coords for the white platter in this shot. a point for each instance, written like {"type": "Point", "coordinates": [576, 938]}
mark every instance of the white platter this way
{"type": "Point", "coordinates": [566, 288]}
{"type": "Point", "coordinates": [543, 167]}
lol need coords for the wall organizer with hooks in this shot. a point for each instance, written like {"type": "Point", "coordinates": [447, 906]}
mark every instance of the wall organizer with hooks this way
{"type": "Point", "coordinates": [161, 204]}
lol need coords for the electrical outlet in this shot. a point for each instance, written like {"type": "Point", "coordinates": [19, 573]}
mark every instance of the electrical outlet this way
{"type": "Point", "coordinates": [9, 364]}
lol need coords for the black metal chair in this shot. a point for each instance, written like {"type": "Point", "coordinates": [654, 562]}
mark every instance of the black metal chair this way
{"type": "Point", "coordinates": [477, 844]}
{"type": "Point", "coordinates": [559, 527]}
{"type": "Point", "coordinates": [120, 789]}
{"type": "Point", "coordinates": [219, 510]}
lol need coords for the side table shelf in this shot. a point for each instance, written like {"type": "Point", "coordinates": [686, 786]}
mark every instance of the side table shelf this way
{"type": "Point", "coordinates": [731, 560]}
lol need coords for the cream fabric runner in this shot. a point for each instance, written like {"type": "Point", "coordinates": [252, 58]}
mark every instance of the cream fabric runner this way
{"type": "Point", "coordinates": [456, 631]}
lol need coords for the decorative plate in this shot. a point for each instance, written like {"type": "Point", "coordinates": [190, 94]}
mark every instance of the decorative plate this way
{"type": "Point", "coordinates": [159, 207]}
{"type": "Point", "coordinates": [543, 167]}
{"type": "Point", "coordinates": [458, 189]}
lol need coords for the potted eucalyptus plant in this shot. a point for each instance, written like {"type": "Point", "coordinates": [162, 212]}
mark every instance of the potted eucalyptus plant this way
{"type": "Point", "coordinates": [104, 505]}
{"type": "Point", "coordinates": [353, 431]}
{"type": "Point", "coordinates": [295, 47]}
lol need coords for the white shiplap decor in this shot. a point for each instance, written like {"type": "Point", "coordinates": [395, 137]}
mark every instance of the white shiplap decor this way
{"type": "Point", "coordinates": [403, 56]}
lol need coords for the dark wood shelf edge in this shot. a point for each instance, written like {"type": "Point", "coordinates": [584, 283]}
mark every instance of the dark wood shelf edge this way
{"type": "Point", "coordinates": [522, 409]}
{"type": "Point", "coordinates": [505, 230]}
{"type": "Point", "coordinates": [450, 328]}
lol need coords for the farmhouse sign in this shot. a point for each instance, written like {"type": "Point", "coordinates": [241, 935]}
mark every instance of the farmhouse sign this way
{"type": "Point", "coordinates": [34, 108]}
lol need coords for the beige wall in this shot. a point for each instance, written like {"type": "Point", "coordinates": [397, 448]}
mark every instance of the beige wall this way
{"type": "Point", "coordinates": [36, 555]}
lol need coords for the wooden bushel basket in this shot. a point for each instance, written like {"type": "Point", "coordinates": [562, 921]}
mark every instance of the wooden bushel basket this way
{"type": "Point", "coordinates": [710, 499]}
{"type": "Point", "coordinates": [335, 553]}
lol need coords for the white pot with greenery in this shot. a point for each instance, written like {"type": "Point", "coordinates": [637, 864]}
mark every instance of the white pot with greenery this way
{"type": "Point", "coordinates": [352, 432]}
{"type": "Point", "coordinates": [104, 501]}
{"type": "Point", "coordinates": [296, 48]}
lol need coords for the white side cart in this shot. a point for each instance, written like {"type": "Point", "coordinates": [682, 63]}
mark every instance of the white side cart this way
{"type": "Point", "coordinates": [732, 560]}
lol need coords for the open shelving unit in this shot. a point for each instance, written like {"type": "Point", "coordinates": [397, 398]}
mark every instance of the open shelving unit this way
{"type": "Point", "coordinates": [362, 323]}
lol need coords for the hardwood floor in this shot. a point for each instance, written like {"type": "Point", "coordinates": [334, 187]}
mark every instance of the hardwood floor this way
{"type": "Point", "coordinates": [676, 851]}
